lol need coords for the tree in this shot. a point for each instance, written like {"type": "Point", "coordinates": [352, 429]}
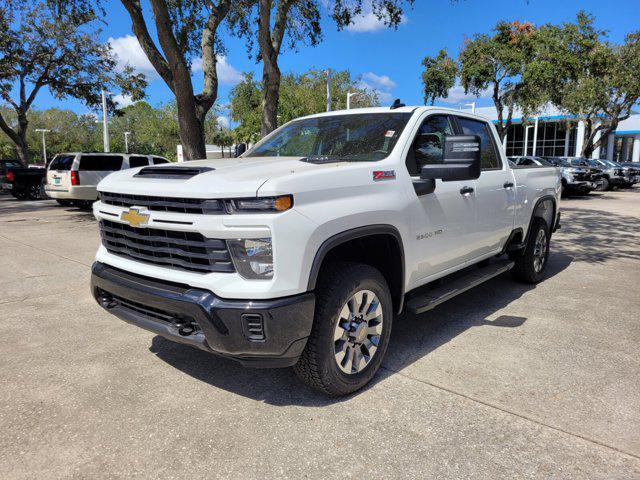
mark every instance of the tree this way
{"type": "Point", "coordinates": [187, 30]}
{"type": "Point", "coordinates": [297, 22]}
{"type": "Point", "coordinates": [299, 95]}
{"type": "Point", "coordinates": [439, 76]}
{"type": "Point", "coordinates": [45, 45]}
{"type": "Point", "coordinates": [496, 64]}
{"type": "Point", "coordinates": [587, 77]}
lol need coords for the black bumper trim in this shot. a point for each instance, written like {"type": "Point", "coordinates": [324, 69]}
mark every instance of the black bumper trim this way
{"type": "Point", "coordinates": [149, 303]}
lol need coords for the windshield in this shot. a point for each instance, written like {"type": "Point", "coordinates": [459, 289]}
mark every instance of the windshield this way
{"type": "Point", "coordinates": [355, 138]}
{"type": "Point", "coordinates": [581, 162]}
{"type": "Point", "coordinates": [558, 162]}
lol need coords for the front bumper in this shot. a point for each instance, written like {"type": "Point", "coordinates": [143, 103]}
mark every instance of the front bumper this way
{"type": "Point", "coordinates": [258, 333]}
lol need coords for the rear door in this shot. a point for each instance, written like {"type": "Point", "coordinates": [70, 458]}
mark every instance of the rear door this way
{"type": "Point", "coordinates": [94, 167]}
{"type": "Point", "coordinates": [495, 190]}
{"type": "Point", "coordinates": [442, 222]}
{"type": "Point", "coordinates": [59, 172]}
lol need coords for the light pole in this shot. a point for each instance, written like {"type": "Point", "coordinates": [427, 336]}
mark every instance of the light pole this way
{"type": "Point", "coordinates": [126, 142]}
{"type": "Point", "coordinates": [328, 90]}
{"type": "Point", "coordinates": [105, 124]}
{"type": "Point", "coordinates": [472, 105]}
{"type": "Point", "coordinates": [349, 95]}
{"type": "Point", "coordinates": [44, 144]}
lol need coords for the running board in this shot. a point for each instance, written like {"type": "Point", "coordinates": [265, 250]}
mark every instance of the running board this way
{"type": "Point", "coordinates": [441, 293]}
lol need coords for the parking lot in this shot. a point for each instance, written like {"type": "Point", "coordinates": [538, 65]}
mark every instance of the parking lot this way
{"type": "Point", "coordinates": [505, 381]}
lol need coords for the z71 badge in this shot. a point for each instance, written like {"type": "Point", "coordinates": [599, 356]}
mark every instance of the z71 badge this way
{"type": "Point", "coordinates": [379, 175]}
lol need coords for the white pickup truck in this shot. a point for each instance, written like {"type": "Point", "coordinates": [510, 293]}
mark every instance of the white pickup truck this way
{"type": "Point", "coordinates": [301, 252]}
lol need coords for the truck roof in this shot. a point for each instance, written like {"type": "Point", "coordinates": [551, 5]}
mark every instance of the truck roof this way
{"type": "Point", "coordinates": [405, 109]}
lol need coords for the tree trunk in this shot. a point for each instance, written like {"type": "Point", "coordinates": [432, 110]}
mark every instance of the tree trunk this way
{"type": "Point", "coordinates": [271, 82]}
{"type": "Point", "coordinates": [22, 150]}
{"type": "Point", "coordinates": [191, 126]}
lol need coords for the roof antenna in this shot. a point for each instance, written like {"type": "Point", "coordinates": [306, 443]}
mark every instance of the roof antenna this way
{"type": "Point", "coordinates": [397, 104]}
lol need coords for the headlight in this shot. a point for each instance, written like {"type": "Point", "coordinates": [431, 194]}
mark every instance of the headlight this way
{"type": "Point", "coordinates": [265, 204]}
{"type": "Point", "coordinates": [252, 257]}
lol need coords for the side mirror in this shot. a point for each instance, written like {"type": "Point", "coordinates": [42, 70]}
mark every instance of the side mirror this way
{"type": "Point", "coordinates": [460, 160]}
{"type": "Point", "coordinates": [240, 149]}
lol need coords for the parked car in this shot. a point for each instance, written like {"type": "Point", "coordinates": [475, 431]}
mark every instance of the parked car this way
{"type": "Point", "coordinates": [26, 183]}
{"type": "Point", "coordinates": [5, 166]}
{"type": "Point", "coordinates": [301, 251]}
{"type": "Point", "coordinates": [632, 171]}
{"type": "Point", "coordinates": [73, 177]}
{"type": "Point", "coordinates": [613, 174]}
{"type": "Point", "coordinates": [575, 180]}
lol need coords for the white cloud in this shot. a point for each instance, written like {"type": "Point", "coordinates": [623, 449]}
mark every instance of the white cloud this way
{"type": "Point", "coordinates": [227, 74]}
{"type": "Point", "coordinates": [381, 84]}
{"type": "Point", "coordinates": [123, 100]}
{"type": "Point", "coordinates": [368, 22]}
{"type": "Point", "coordinates": [457, 95]}
{"type": "Point", "coordinates": [223, 121]}
{"type": "Point", "coordinates": [128, 51]}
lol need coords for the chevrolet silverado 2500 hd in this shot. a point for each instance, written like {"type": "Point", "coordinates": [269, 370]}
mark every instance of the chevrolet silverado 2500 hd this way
{"type": "Point", "coordinates": [301, 252]}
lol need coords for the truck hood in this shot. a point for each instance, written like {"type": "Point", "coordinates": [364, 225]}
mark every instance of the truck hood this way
{"type": "Point", "coordinates": [221, 178]}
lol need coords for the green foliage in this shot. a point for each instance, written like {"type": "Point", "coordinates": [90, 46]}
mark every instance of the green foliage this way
{"type": "Point", "coordinates": [439, 76]}
{"type": "Point", "coordinates": [300, 95]}
{"type": "Point", "coordinates": [586, 76]}
{"type": "Point", "coordinates": [47, 45]}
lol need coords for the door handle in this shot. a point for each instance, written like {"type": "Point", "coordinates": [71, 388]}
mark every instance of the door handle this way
{"type": "Point", "coordinates": [508, 185]}
{"type": "Point", "coordinates": [465, 190]}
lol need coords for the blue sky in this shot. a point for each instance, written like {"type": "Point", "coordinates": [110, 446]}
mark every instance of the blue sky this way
{"type": "Point", "coordinates": [388, 60]}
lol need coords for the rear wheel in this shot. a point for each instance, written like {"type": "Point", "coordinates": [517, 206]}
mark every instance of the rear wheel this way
{"type": "Point", "coordinates": [351, 329]}
{"type": "Point", "coordinates": [64, 203]}
{"type": "Point", "coordinates": [529, 266]}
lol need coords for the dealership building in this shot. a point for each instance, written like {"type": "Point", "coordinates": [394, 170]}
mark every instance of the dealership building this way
{"type": "Point", "coordinates": [555, 134]}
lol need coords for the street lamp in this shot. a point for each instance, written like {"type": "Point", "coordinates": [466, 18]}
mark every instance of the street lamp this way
{"type": "Point", "coordinates": [105, 124]}
{"type": "Point", "coordinates": [328, 90]}
{"type": "Point", "coordinates": [349, 95]}
{"type": "Point", "coordinates": [126, 141]}
{"type": "Point", "coordinates": [44, 144]}
{"type": "Point", "coordinates": [472, 105]}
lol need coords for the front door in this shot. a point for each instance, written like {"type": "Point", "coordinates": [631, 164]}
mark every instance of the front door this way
{"type": "Point", "coordinates": [442, 222]}
{"type": "Point", "coordinates": [495, 191]}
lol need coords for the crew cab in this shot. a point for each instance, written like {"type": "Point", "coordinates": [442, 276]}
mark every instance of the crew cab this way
{"type": "Point", "coordinates": [303, 250]}
{"type": "Point", "coordinates": [72, 178]}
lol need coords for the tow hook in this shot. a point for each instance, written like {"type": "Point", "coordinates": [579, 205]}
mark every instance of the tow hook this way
{"type": "Point", "coordinates": [107, 301]}
{"type": "Point", "coordinates": [185, 327]}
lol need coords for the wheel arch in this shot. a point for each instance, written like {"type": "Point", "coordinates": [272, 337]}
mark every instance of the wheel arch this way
{"type": "Point", "coordinates": [384, 241]}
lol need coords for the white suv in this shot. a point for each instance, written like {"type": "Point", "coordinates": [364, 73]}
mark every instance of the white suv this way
{"type": "Point", "coordinates": [73, 177]}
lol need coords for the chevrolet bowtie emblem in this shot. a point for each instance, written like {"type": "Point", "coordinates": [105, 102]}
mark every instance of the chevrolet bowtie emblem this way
{"type": "Point", "coordinates": [134, 218]}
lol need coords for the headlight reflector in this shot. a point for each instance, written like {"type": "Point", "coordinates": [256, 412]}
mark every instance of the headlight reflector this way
{"type": "Point", "coordinates": [252, 257]}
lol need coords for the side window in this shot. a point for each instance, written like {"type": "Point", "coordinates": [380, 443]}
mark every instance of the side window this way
{"type": "Point", "coordinates": [138, 162]}
{"type": "Point", "coordinates": [428, 144]}
{"type": "Point", "coordinates": [488, 155]}
{"type": "Point", "coordinates": [100, 163]}
{"type": "Point", "coordinates": [158, 160]}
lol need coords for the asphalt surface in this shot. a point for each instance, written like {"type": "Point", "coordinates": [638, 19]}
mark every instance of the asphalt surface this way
{"type": "Point", "coordinates": [505, 381]}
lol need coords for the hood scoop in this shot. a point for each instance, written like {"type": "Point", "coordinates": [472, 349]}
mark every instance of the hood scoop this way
{"type": "Point", "coordinates": [173, 173]}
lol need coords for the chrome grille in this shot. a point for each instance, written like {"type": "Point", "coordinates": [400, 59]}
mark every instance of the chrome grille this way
{"type": "Point", "coordinates": [182, 250]}
{"type": "Point", "coordinates": [164, 204]}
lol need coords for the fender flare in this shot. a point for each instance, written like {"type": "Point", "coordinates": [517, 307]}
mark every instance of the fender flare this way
{"type": "Point", "coordinates": [535, 208]}
{"type": "Point", "coordinates": [352, 234]}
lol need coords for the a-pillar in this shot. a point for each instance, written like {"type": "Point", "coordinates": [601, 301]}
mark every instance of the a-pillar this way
{"type": "Point", "coordinates": [579, 138]}
{"type": "Point", "coordinates": [635, 156]}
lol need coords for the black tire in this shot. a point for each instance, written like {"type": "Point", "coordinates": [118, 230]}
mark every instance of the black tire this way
{"type": "Point", "coordinates": [317, 366]}
{"type": "Point", "coordinates": [64, 203]}
{"type": "Point", "coordinates": [525, 268]}
{"type": "Point", "coordinates": [83, 204]}
{"type": "Point", "coordinates": [34, 192]}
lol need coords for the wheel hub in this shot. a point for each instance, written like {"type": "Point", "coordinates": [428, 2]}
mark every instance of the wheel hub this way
{"type": "Point", "coordinates": [357, 332]}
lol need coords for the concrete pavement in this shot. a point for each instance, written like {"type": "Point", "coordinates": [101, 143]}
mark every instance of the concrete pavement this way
{"type": "Point", "coordinates": [505, 381]}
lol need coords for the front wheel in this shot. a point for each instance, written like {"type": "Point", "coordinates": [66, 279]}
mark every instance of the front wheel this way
{"type": "Point", "coordinates": [351, 329]}
{"type": "Point", "coordinates": [604, 185]}
{"type": "Point", "coordinates": [529, 266]}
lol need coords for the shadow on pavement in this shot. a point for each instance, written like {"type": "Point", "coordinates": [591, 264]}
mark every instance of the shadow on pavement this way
{"type": "Point", "coordinates": [586, 235]}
